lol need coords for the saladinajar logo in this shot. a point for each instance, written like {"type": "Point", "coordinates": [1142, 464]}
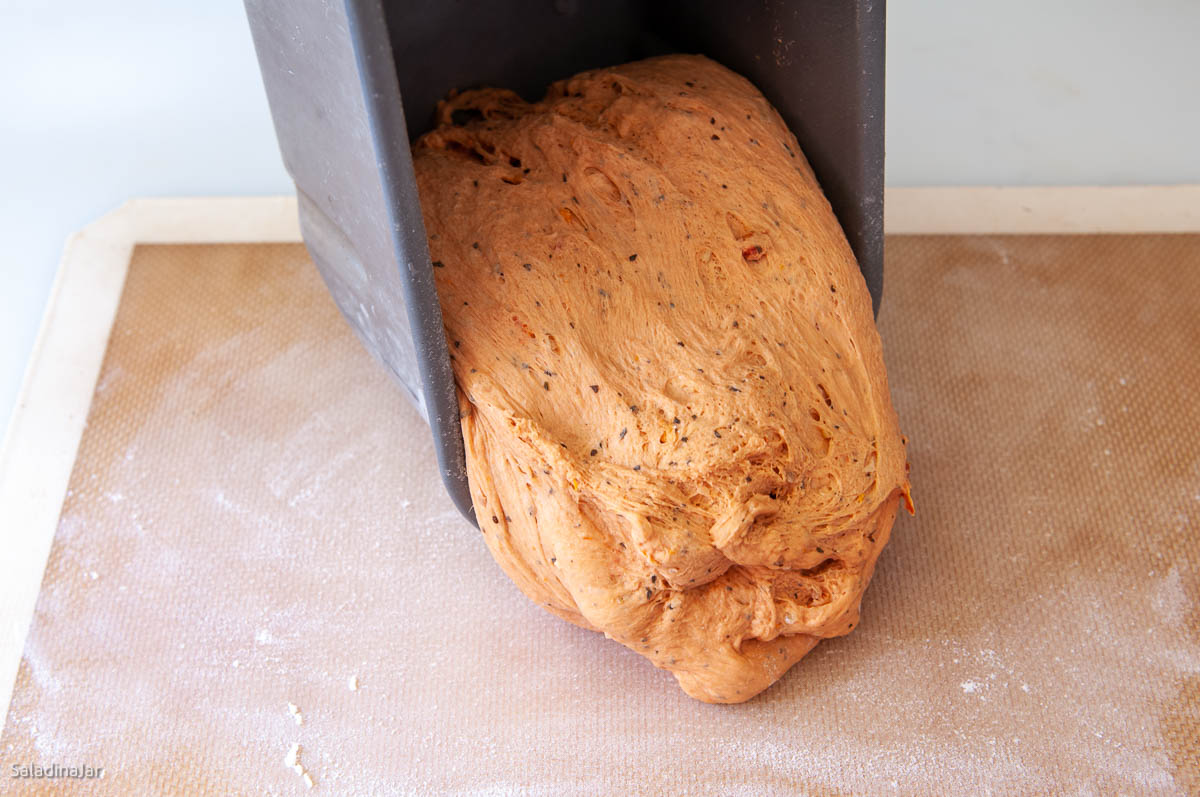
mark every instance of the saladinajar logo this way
{"type": "Point", "coordinates": [54, 771]}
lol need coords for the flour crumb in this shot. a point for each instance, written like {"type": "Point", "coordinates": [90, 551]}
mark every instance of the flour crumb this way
{"type": "Point", "coordinates": [294, 710]}
{"type": "Point", "coordinates": [970, 687]}
{"type": "Point", "coordinates": [292, 759]}
{"type": "Point", "coordinates": [352, 683]}
{"type": "Point", "coordinates": [292, 762]}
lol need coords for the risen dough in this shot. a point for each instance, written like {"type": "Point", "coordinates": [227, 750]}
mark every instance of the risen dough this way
{"type": "Point", "coordinates": [677, 421]}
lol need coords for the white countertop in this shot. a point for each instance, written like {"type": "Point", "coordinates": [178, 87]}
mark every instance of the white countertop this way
{"type": "Point", "coordinates": [38, 454]}
{"type": "Point", "coordinates": [38, 451]}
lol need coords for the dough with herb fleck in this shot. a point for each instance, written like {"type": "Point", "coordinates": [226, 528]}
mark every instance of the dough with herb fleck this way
{"type": "Point", "coordinates": [677, 422]}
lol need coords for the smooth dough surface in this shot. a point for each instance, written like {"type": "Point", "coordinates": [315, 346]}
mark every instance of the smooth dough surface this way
{"type": "Point", "coordinates": [677, 422]}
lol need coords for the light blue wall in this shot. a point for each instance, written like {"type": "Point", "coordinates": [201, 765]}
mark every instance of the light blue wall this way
{"type": "Point", "coordinates": [1043, 92]}
{"type": "Point", "coordinates": [100, 102]}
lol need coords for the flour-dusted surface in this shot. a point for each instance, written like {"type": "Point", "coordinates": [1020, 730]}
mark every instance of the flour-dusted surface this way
{"type": "Point", "coordinates": [255, 520]}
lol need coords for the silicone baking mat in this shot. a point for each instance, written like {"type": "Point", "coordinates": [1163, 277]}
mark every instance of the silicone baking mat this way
{"type": "Point", "coordinates": [255, 553]}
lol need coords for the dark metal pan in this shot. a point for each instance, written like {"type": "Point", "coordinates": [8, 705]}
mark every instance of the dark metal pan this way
{"type": "Point", "coordinates": [352, 83]}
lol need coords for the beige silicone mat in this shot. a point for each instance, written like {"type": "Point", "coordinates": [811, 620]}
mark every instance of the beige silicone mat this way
{"type": "Point", "coordinates": [254, 519]}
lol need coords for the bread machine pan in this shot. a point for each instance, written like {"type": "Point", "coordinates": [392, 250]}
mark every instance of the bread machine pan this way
{"type": "Point", "coordinates": [352, 82]}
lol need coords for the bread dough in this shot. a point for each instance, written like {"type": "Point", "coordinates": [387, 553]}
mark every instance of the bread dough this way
{"type": "Point", "coordinates": [677, 422]}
